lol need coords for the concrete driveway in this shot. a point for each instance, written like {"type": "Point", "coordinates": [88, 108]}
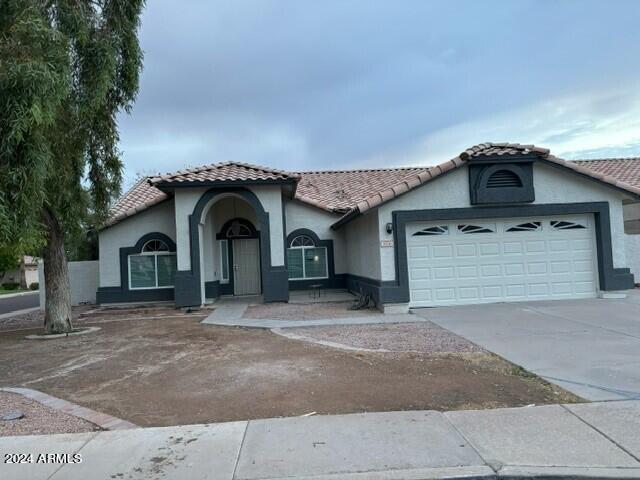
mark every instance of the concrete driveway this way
{"type": "Point", "coordinates": [589, 347]}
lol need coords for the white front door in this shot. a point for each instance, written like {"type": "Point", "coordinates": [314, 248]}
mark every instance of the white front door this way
{"type": "Point", "coordinates": [496, 260]}
{"type": "Point", "coordinates": [246, 266]}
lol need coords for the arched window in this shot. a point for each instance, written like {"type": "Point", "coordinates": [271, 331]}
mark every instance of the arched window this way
{"type": "Point", "coordinates": [155, 246]}
{"type": "Point", "coordinates": [238, 229]}
{"type": "Point", "coordinates": [154, 267]}
{"type": "Point", "coordinates": [303, 241]}
{"type": "Point", "coordinates": [305, 260]}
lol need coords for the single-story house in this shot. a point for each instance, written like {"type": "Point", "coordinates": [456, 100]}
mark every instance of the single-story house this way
{"type": "Point", "coordinates": [499, 222]}
{"type": "Point", "coordinates": [25, 273]}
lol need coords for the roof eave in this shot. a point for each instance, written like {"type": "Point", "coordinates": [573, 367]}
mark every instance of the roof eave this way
{"type": "Point", "coordinates": [346, 218]}
{"type": "Point", "coordinates": [167, 186]}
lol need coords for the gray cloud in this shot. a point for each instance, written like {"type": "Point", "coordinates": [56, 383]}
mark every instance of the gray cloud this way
{"type": "Point", "coordinates": [304, 84]}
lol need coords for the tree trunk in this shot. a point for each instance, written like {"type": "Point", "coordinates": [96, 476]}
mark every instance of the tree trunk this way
{"type": "Point", "coordinates": [57, 313]}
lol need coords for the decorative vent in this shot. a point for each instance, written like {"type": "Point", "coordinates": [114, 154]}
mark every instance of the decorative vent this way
{"type": "Point", "coordinates": [525, 227]}
{"type": "Point", "coordinates": [562, 225]}
{"type": "Point", "coordinates": [504, 179]}
{"type": "Point", "coordinates": [437, 230]}
{"type": "Point", "coordinates": [475, 229]}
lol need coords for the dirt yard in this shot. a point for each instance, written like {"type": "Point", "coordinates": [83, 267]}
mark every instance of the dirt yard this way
{"type": "Point", "coordinates": [154, 368]}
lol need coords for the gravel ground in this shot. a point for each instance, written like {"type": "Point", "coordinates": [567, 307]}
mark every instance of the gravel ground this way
{"type": "Point", "coordinates": [306, 311]}
{"type": "Point", "coordinates": [38, 419]}
{"type": "Point", "coordinates": [424, 337]}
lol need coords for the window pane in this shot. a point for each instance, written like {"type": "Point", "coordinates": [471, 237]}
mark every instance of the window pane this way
{"type": "Point", "coordinates": [166, 270]}
{"type": "Point", "coordinates": [224, 259]}
{"type": "Point", "coordinates": [294, 262]}
{"type": "Point", "coordinates": [315, 262]}
{"type": "Point", "coordinates": [143, 271]}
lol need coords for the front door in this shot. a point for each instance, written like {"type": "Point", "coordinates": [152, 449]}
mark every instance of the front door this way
{"type": "Point", "coordinates": [246, 266]}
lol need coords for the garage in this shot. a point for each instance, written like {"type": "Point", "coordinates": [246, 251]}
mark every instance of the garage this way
{"type": "Point", "coordinates": [501, 260]}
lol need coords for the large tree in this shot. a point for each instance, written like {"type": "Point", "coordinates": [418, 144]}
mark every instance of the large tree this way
{"type": "Point", "coordinates": [67, 68]}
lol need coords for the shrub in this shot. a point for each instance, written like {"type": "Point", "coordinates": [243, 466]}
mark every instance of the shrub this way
{"type": "Point", "coordinates": [34, 286]}
{"type": "Point", "coordinates": [10, 285]}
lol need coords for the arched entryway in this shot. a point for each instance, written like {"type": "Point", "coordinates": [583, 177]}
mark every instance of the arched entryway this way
{"type": "Point", "coordinates": [203, 279]}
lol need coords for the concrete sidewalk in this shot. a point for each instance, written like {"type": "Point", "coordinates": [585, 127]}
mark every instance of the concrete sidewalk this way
{"type": "Point", "coordinates": [598, 440]}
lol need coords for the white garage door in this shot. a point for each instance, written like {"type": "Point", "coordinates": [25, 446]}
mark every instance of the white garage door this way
{"type": "Point", "coordinates": [495, 260]}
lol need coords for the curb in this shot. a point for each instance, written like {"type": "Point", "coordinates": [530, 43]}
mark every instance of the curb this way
{"type": "Point", "coordinates": [103, 420]}
{"type": "Point", "coordinates": [19, 294]}
{"type": "Point", "coordinates": [18, 312]}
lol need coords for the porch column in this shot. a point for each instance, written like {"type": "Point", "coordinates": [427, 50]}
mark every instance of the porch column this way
{"type": "Point", "coordinates": [188, 288]}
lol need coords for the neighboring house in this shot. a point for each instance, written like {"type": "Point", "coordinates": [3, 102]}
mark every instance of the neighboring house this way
{"type": "Point", "coordinates": [25, 274]}
{"type": "Point", "coordinates": [500, 222]}
{"type": "Point", "coordinates": [626, 170]}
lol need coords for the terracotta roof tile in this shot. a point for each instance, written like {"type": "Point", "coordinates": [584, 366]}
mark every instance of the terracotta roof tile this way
{"type": "Point", "coordinates": [140, 197]}
{"type": "Point", "coordinates": [625, 170]}
{"type": "Point", "coordinates": [355, 191]}
{"type": "Point", "coordinates": [223, 172]}
{"type": "Point", "coordinates": [341, 191]}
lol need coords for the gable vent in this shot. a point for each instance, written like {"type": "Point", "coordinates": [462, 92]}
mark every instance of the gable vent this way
{"type": "Point", "coordinates": [504, 179]}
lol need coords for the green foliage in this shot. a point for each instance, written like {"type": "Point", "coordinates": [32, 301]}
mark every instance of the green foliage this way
{"type": "Point", "coordinates": [34, 286]}
{"type": "Point", "coordinates": [9, 258]}
{"type": "Point", "coordinates": [66, 69]}
{"type": "Point", "coordinates": [10, 285]}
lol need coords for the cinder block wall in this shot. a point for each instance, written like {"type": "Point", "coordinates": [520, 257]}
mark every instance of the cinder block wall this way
{"type": "Point", "coordinates": [84, 278]}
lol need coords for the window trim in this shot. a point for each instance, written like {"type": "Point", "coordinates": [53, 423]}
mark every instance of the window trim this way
{"type": "Point", "coordinates": [304, 277]}
{"type": "Point", "coordinates": [221, 259]}
{"type": "Point", "coordinates": [155, 265]}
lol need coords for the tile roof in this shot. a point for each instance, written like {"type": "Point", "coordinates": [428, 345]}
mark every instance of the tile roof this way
{"type": "Point", "coordinates": [140, 197]}
{"type": "Point", "coordinates": [224, 172]}
{"type": "Point", "coordinates": [626, 170]}
{"type": "Point", "coordinates": [351, 192]}
{"type": "Point", "coordinates": [340, 191]}
{"type": "Point", "coordinates": [483, 149]}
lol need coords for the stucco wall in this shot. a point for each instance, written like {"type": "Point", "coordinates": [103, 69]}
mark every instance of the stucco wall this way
{"type": "Point", "coordinates": [631, 214]}
{"type": "Point", "coordinates": [299, 215]}
{"type": "Point", "coordinates": [363, 246]}
{"type": "Point", "coordinates": [632, 246]}
{"type": "Point", "coordinates": [159, 218]}
{"type": "Point", "coordinates": [271, 199]}
{"type": "Point", "coordinates": [83, 277]}
{"type": "Point", "coordinates": [551, 184]}
{"type": "Point", "coordinates": [186, 200]}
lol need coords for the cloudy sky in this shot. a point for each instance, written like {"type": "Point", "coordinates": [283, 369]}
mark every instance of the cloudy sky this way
{"type": "Point", "coordinates": [335, 84]}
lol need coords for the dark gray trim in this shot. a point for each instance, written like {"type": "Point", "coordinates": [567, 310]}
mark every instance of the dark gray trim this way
{"type": "Point", "coordinates": [610, 278]}
{"type": "Point", "coordinates": [123, 293]}
{"type": "Point", "coordinates": [212, 289]}
{"type": "Point", "coordinates": [274, 278]}
{"type": "Point", "coordinates": [333, 281]}
{"type": "Point", "coordinates": [162, 185]}
{"type": "Point", "coordinates": [481, 194]}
